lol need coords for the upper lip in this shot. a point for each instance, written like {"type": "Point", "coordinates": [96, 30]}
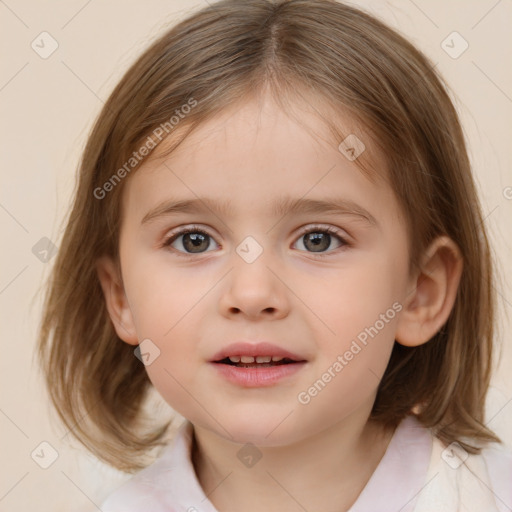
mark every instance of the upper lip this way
{"type": "Point", "coordinates": [255, 349]}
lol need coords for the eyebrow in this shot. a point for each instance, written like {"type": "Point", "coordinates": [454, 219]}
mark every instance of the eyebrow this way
{"type": "Point", "coordinates": [279, 208]}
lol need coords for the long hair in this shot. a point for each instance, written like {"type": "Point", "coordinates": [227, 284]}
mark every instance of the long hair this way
{"type": "Point", "coordinates": [216, 57]}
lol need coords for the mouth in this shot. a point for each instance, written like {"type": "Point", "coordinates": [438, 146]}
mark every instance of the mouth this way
{"type": "Point", "coordinates": [256, 361]}
{"type": "Point", "coordinates": [255, 365]}
{"type": "Point", "coordinates": [257, 371]}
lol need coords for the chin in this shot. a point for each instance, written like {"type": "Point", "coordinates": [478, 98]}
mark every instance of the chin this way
{"type": "Point", "coordinates": [260, 429]}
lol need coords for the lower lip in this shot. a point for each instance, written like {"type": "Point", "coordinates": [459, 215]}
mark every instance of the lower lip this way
{"type": "Point", "coordinates": [257, 377]}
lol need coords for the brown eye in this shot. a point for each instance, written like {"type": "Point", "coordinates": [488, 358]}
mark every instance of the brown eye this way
{"type": "Point", "coordinates": [189, 241]}
{"type": "Point", "coordinates": [318, 240]}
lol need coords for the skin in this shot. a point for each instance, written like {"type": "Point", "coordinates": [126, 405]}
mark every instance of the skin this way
{"type": "Point", "coordinates": [315, 456]}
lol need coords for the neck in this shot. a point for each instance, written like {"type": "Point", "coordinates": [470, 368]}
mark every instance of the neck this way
{"type": "Point", "coordinates": [330, 467]}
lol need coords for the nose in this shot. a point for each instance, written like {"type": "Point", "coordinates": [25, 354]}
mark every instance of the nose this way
{"type": "Point", "coordinates": [255, 290]}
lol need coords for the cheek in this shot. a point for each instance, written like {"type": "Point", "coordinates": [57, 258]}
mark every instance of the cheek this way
{"type": "Point", "coordinates": [351, 364]}
{"type": "Point", "coordinates": [359, 310]}
{"type": "Point", "coordinates": [165, 304]}
{"type": "Point", "coordinates": [172, 385]}
{"type": "Point", "coordinates": [176, 372]}
{"type": "Point", "coordinates": [355, 296]}
{"type": "Point", "coordinates": [162, 296]}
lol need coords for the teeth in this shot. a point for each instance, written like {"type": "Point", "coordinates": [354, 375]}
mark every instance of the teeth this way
{"type": "Point", "coordinates": [257, 359]}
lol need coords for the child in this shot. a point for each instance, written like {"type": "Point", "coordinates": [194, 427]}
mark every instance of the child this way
{"type": "Point", "coordinates": [276, 227]}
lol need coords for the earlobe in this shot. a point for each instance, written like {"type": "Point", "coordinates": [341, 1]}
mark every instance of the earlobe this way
{"type": "Point", "coordinates": [432, 294]}
{"type": "Point", "coordinates": [115, 300]}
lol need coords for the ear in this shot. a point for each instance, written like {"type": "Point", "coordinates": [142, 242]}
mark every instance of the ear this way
{"type": "Point", "coordinates": [433, 289]}
{"type": "Point", "coordinates": [115, 299]}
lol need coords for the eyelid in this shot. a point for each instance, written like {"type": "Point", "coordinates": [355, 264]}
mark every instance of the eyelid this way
{"type": "Point", "coordinates": [180, 231]}
{"type": "Point", "coordinates": [329, 229]}
{"type": "Point", "coordinates": [339, 233]}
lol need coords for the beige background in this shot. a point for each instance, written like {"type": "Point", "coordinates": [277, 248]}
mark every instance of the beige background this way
{"type": "Point", "coordinates": [47, 108]}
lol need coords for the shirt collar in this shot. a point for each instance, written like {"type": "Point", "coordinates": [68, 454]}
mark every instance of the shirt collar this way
{"type": "Point", "coordinates": [396, 482]}
{"type": "Point", "coordinates": [394, 485]}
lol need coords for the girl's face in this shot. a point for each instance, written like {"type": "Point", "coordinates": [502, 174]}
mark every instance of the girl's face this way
{"type": "Point", "coordinates": [248, 272]}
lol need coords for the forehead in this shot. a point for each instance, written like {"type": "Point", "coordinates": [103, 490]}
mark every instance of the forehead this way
{"type": "Point", "coordinates": [254, 152]}
{"type": "Point", "coordinates": [305, 115]}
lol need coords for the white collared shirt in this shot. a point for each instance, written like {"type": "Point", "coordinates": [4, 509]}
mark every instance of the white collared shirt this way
{"type": "Point", "coordinates": [417, 473]}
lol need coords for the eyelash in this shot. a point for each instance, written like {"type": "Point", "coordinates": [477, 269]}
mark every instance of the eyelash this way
{"type": "Point", "coordinates": [314, 229]}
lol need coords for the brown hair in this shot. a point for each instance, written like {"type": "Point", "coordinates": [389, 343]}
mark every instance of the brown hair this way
{"type": "Point", "coordinates": [216, 57]}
